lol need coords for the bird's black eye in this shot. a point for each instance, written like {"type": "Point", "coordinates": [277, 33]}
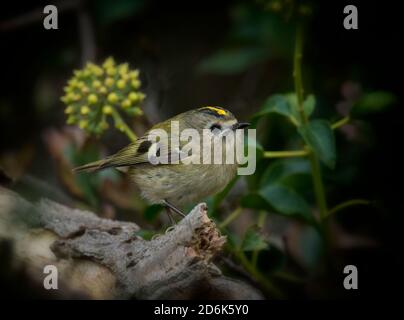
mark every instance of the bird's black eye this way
{"type": "Point", "coordinates": [215, 126]}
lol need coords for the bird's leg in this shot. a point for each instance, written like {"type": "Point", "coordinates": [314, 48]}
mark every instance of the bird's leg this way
{"type": "Point", "coordinates": [174, 208]}
{"type": "Point", "coordinates": [170, 216]}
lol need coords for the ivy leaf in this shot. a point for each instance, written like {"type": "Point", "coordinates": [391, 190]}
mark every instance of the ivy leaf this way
{"type": "Point", "coordinates": [309, 104]}
{"type": "Point", "coordinates": [253, 240]}
{"type": "Point", "coordinates": [286, 201]}
{"type": "Point", "coordinates": [281, 169]}
{"type": "Point", "coordinates": [278, 103]}
{"type": "Point", "coordinates": [319, 135]}
{"type": "Point", "coordinates": [254, 201]}
{"type": "Point", "coordinates": [286, 105]}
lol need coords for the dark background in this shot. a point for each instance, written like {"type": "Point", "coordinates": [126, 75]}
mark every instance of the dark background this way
{"type": "Point", "coordinates": [167, 40]}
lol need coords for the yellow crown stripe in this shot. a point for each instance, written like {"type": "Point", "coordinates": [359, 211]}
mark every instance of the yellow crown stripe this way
{"type": "Point", "coordinates": [217, 110]}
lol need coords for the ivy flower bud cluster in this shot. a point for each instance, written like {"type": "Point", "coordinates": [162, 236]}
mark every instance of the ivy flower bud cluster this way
{"type": "Point", "coordinates": [97, 94]}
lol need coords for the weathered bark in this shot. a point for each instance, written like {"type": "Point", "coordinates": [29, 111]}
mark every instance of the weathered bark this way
{"type": "Point", "coordinates": [103, 258]}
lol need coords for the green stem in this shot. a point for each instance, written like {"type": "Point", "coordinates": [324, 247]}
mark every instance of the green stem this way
{"type": "Point", "coordinates": [261, 222]}
{"type": "Point", "coordinates": [248, 266]}
{"type": "Point", "coordinates": [123, 126]}
{"type": "Point", "coordinates": [349, 203]}
{"type": "Point", "coordinates": [318, 185]}
{"type": "Point", "coordinates": [233, 216]}
{"type": "Point", "coordinates": [285, 154]}
{"type": "Point", "coordinates": [258, 276]}
{"type": "Point", "coordinates": [340, 123]}
{"type": "Point", "coordinates": [297, 74]}
{"type": "Point", "coordinates": [314, 162]}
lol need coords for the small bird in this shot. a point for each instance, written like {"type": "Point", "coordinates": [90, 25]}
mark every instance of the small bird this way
{"type": "Point", "coordinates": [176, 184]}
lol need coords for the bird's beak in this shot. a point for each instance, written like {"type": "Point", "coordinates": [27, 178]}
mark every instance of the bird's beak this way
{"type": "Point", "coordinates": [240, 125]}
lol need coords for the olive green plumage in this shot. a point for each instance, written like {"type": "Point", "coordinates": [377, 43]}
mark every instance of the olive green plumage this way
{"type": "Point", "coordinates": [178, 184]}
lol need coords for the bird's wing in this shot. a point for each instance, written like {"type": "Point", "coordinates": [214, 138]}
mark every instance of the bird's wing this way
{"type": "Point", "coordinates": [143, 150]}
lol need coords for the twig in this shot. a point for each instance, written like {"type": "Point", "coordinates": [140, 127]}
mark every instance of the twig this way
{"type": "Point", "coordinates": [285, 154]}
{"type": "Point", "coordinates": [87, 38]}
{"type": "Point", "coordinates": [346, 204]}
{"type": "Point", "coordinates": [233, 216]}
{"type": "Point", "coordinates": [340, 123]}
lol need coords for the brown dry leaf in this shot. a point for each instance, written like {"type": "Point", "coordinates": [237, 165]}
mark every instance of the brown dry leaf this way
{"type": "Point", "coordinates": [57, 141]}
{"type": "Point", "coordinates": [344, 240]}
{"type": "Point", "coordinates": [15, 163]}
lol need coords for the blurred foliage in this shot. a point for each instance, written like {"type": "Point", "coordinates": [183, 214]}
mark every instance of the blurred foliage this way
{"type": "Point", "coordinates": [109, 11]}
{"type": "Point", "coordinates": [240, 54]}
{"type": "Point", "coordinates": [373, 102]}
{"type": "Point", "coordinates": [255, 36]}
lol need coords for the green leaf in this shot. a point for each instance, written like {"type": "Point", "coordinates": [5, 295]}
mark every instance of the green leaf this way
{"type": "Point", "coordinates": [286, 201]}
{"type": "Point", "coordinates": [281, 169]}
{"type": "Point", "coordinates": [231, 61]}
{"type": "Point", "coordinates": [278, 103]}
{"type": "Point", "coordinates": [233, 240]}
{"type": "Point", "coordinates": [309, 104]}
{"type": "Point", "coordinates": [253, 240]}
{"type": "Point", "coordinates": [152, 212]}
{"type": "Point", "coordinates": [286, 105]}
{"type": "Point", "coordinates": [373, 102]}
{"type": "Point", "coordinates": [319, 135]}
{"type": "Point", "coordinates": [254, 201]}
{"type": "Point", "coordinates": [310, 247]}
{"type": "Point", "coordinates": [299, 182]}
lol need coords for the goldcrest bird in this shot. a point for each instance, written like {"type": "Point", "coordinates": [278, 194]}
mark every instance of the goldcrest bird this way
{"type": "Point", "coordinates": [176, 184]}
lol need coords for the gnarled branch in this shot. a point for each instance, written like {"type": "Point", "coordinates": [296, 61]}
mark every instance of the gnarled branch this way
{"type": "Point", "coordinates": [106, 259]}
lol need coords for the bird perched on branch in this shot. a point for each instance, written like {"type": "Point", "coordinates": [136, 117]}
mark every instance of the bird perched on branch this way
{"type": "Point", "coordinates": [181, 179]}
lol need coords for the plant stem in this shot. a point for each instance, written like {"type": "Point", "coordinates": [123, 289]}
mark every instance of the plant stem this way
{"type": "Point", "coordinates": [258, 276]}
{"type": "Point", "coordinates": [314, 162]}
{"type": "Point", "coordinates": [349, 203]}
{"type": "Point", "coordinates": [261, 222]}
{"type": "Point", "coordinates": [285, 154]}
{"type": "Point", "coordinates": [318, 186]}
{"type": "Point", "coordinates": [234, 215]}
{"type": "Point", "coordinates": [124, 127]}
{"type": "Point", "coordinates": [297, 74]}
{"type": "Point", "coordinates": [340, 123]}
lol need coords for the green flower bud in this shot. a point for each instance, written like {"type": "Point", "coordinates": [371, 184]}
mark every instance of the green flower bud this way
{"type": "Point", "coordinates": [107, 109]}
{"type": "Point", "coordinates": [133, 96]}
{"type": "Point", "coordinates": [69, 109]}
{"type": "Point", "coordinates": [126, 104]}
{"type": "Point", "coordinates": [135, 83]}
{"type": "Point", "coordinates": [112, 97]}
{"type": "Point", "coordinates": [121, 84]}
{"type": "Point", "coordinates": [109, 82]}
{"type": "Point", "coordinates": [84, 110]}
{"type": "Point", "coordinates": [92, 99]}
{"type": "Point", "coordinates": [83, 124]}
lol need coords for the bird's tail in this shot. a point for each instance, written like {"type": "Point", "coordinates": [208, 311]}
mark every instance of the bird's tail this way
{"type": "Point", "coordinates": [94, 166]}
